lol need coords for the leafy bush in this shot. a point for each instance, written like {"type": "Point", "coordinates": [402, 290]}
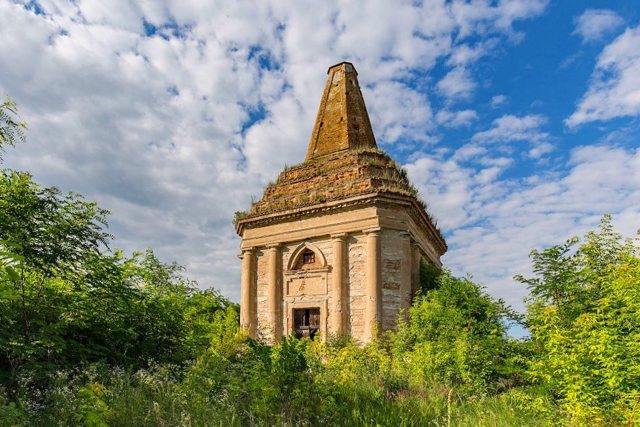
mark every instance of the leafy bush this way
{"type": "Point", "coordinates": [67, 300]}
{"type": "Point", "coordinates": [456, 338]}
{"type": "Point", "coordinates": [89, 336]}
{"type": "Point", "coordinates": [584, 317]}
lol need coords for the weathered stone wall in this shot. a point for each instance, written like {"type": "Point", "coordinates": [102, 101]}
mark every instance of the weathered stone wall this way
{"type": "Point", "coordinates": [392, 256]}
{"type": "Point", "coordinates": [305, 288]}
{"type": "Point", "coordinates": [345, 187]}
{"type": "Point", "coordinates": [355, 283]}
{"type": "Point", "coordinates": [336, 177]}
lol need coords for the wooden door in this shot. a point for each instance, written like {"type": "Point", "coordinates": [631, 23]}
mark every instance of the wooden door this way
{"type": "Point", "coordinates": [306, 322]}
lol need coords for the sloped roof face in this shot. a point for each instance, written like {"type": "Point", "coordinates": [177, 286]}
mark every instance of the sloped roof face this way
{"type": "Point", "coordinates": [342, 122]}
{"type": "Point", "coordinates": [332, 177]}
{"type": "Point", "coordinates": [342, 160]}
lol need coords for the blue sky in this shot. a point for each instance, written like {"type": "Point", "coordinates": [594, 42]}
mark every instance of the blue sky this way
{"type": "Point", "coordinates": [517, 120]}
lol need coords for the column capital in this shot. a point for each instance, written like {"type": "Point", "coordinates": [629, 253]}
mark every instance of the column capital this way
{"type": "Point", "coordinates": [339, 236]}
{"type": "Point", "coordinates": [246, 251]}
{"type": "Point", "coordinates": [372, 230]}
{"type": "Point", "coordinates": [272, 246]}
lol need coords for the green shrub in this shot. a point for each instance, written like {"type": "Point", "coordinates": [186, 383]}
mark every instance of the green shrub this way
{"type": "Point", "coordinates": [584, 316]}
{"type": "Point", "coordinates": [455, 338]}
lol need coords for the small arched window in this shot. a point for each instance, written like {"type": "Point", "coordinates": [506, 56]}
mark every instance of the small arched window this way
{"type": "Point", "coordinates": [308, 257]}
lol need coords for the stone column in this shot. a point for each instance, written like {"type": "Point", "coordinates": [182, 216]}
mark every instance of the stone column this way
{"type": "Point", "coordinates": [373, 312]}
{"type": "Point", "coordinates": [406, 294]}
{"type": "Point", "coordinates": [247, 292]}
{"type": "Point", "coordinates": [274, 294]}
{"type": "Point", "coordinates": [338, 306]}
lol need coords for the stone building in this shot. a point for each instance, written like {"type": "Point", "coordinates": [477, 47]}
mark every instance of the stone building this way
{"type": "Point", "coordinates": [335, 245]}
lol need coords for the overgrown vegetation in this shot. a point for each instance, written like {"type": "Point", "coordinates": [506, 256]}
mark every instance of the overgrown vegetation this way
{"type": "Point", "coordinates": [91, 337]}
{"type": "Point", "coordinates": [68, 301]}
{"type": "Point", "coordinates": [584, 317]}
{"type": "Point", "coordinates": [11, 127]}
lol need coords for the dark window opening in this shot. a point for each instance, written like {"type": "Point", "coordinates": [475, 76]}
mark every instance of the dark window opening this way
{"type": "Point", "coordinates": [306, 322]}
{"type": "Point", "coordinates": [308, 257]}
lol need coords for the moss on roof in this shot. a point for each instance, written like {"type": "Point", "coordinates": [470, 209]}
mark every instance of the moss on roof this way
{"type": "Point", "coordinates": [333, 177]}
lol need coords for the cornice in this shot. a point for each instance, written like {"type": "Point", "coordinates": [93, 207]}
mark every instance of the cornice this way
{"type": "Point", "coordinates": [416, 211]}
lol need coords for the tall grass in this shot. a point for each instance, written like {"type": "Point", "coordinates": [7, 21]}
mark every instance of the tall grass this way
{"type": "Point", "coordinates": [250, 384]}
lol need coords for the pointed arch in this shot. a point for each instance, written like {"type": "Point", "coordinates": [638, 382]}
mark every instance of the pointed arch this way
{"type": "Point", "coordinates": [298, 252]}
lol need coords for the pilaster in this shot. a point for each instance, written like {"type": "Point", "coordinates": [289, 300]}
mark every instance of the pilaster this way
{"type": "Point", "coordinates": [338, 294]}
{"type": "Point", "coordinates": [247, 292]}
{"type": "Point", "coordinates": [415, 268]}
{"type": "Point", "coordinates": [406, 294]}
{"type": "Point", "coordinates": [274, 293]}
{"type": "Point", "coordinates": [373, 310]}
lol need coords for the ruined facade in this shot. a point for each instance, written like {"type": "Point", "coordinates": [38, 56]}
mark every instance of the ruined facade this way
{"type": "Point", "coordinates": [335, 245]}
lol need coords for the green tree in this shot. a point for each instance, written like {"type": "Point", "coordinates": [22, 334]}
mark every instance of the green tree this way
{"type": "Point", "coordinates": [53, 232]}
{"type": "Point", "coordinates": [51, 235]}
{"type": "Point", "coordinates": [456, 336]}
{"type": "Point", "coordinates": [11, 127]}
{"type": "Point", "coordinates": [67, 300]}
{"type": "Point", "coordinates": [584, 317]}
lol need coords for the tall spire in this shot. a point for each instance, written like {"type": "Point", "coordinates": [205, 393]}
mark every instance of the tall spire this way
{"type": "Point", "coordinates": [342, 122]}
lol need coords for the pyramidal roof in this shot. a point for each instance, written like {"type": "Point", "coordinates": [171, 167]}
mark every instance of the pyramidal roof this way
{"type": "Point", "coordinates": [343, 165]}
{"type": "Point", "coordinates": [342, 122]}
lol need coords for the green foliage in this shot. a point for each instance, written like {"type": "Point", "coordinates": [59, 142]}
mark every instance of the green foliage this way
{"type": "Point", "coordinates": [91, 337]}
{"type": "Point", "coordinates": [240, 215]}
{"type": "Point", "coordinates": [429, 274]}
{"type": "Point", "coordinates": [239, 382]}
{"type": "Point", "coordinates": [455, 338]}
{"type": "Point", "coordinates": [11, 127]}
{"type": "Point", "coordinates": [53, 232]}
{"type": "Point", "coordinates": [68, 301]}
{"type": "Point", "coordinates": [584, 317]}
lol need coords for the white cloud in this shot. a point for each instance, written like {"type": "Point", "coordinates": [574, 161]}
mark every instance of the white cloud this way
{"type": "Point", "coordinates": [456, 119]}
{"type": "Point", "coordinates": [513, 128]}
{"type": "Point", "coordinates": [175, 130]}
{"type": "Point", "coordinates": [397, 111]}
{"type": "Point", "coordinates": [499, 100]}
{"type": "Point", "coordinates": [492, 223]}
{"type": "Point", "coordinates": [594, 24]}
{"type": "Point", "coordinates": [614, 90]}
{"type": "Point", "coordinates": [540, 150]}
{"type": "Point", "coordinates": [469, 151]}
{"type": "Point", "coordinates": [465, 54]}
{"type": "Point", "coordinates": [457, 84]}
{"type": "Point", "coordinates": [481, 16]}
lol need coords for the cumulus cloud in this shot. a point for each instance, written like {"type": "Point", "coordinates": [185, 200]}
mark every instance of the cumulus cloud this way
{"type": "Point", "coordinates": [514, 128]}
{"type": "Point", "coordinates": [499, 100]}
{"type": "Point", "coordinates": [465, 54]}
{"type": "Point", "coordinates": [594, 24]}
{"type": "Point", "coordinates": [492, 223]}
{"type": "Point", "coordinates": [540, 150]}
{"type": "Point", "coordinates": [481, 16]}
{"type": "Point", "coordinates": [455, 119]}
{"type": "Point", "coordinates": [457, 84]}
{"type": "Point", "coordinates": [174, 114]}
{"type": "Point", "coordinates": [614, 90]}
